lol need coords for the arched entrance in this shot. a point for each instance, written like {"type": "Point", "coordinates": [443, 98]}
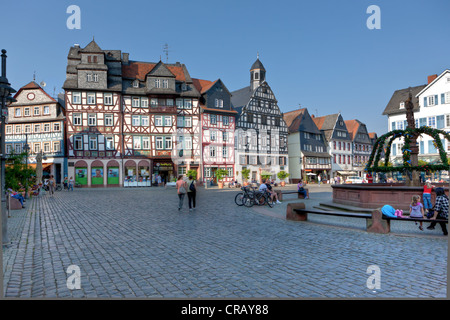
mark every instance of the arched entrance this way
{"type": "Point", "coordinates": [81, 173]}
{"type": "Point", "coordinates": [113, 173]}
{"type": "Point", "coordinates": [97, 173]}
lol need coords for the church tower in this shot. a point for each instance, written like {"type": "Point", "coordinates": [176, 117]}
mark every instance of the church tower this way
{"type": "Point", "coordinates": [257, 74]}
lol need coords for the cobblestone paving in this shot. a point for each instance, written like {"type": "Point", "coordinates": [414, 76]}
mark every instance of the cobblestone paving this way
{"type": "Point", "coordinates": [135, 243]}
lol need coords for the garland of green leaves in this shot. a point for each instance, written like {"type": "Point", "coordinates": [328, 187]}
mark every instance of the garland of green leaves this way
{"type": "Point", "coordinates": [407, 134]}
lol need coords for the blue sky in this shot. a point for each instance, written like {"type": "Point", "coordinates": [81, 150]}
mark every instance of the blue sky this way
{"type": "Point", "coordinates": [319, 54]}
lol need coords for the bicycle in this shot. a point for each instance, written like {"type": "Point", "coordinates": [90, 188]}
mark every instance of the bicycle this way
{"type": "Point", "coordinates": [259, 198]}
{"type": "Point", "coordinates": [246, 195]}
{"type": "Point", "coordinates": [47, 188]}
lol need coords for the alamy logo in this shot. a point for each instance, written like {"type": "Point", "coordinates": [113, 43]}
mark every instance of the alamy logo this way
{"type": "Point", "coordinates": [374, 21]}
{"type": "Point", "coordinates": [74, 20]}
{"type": "Point", "coordinates": [74, 280]}
{"type": "Point", "coordinates": [374, 280]}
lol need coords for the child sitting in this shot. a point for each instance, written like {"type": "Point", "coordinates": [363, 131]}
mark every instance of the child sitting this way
{"type": "Point", "coordinates": [416, 210]}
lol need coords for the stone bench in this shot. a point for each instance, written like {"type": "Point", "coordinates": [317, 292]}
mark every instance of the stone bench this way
{"type": "Point", "coordinates": [13, 203]}
{"type": "Point", "coordinates": [281, 192]}
{"type": "Point", "coordinates": [376, 222]}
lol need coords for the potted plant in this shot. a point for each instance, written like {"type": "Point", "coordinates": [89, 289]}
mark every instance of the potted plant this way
{"type": "Point", "coordinates": [282, 175]}
{"type": "Point", "coordinates": [220, 174]}
{"type": "Point", "coordinates": [245, 175]}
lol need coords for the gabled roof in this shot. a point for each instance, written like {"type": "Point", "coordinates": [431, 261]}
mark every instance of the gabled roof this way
{"type": "Point", "coordinates": [139, 70]}
{"type": "Point", "coordinates": [300, 120]}
{"type": "Point", "coordinates": [432, 82]}
{"type": "Point", "coordinates": [203, 85]}
{"type": "Point", "coordinates": [326, 122]}
{"type": "Point", "coordinates": [352, 127]}
{"type": "Point", "coordinates": [393, 107]}
{"type": "Point", "coordinates": [32, 86]}
{"type": "Point", "coordinates": [241, 97]}
{"type": "Point", "coordinates": [160, 70]}
{"type": "Point", "coordinates": [92, 47]}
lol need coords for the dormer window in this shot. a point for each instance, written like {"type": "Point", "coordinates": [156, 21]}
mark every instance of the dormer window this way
{"type": "Point", "coordinates": [157, 83]}
{"type": "Point", "coordinates": [184, 87]}
{"type": "Point", "coordinates": [165, 84]}
{"type": "Point", "coordinates": [402, 105]}
{"type": "Point", "coordinates": [135, 84]}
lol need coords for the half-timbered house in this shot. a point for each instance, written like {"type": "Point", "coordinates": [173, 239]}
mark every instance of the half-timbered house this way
{"type": "Point", "coordinates": [36, 119]}
{"type": "Point", "coordinates": [93, 91]}
{"type": "Point", "coordinates": [217, 127]}
{"type": "Point", "coordinates": [261, 133]}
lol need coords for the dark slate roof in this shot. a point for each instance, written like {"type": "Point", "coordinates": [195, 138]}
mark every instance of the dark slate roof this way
{"type": "Point", "coordinates": [300, 120]}
{"type": "Point", "coordinates": [92, 47]}
{"type": "Point", "coordinates": [393, 107]}
{"type": "Point", "coordinates": [241, 97]}
{"type": "Point", "coordinates": [257, 65]}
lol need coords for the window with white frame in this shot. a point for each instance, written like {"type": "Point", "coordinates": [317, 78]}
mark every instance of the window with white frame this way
{"type": "Point", "coordinates": [187, 103]}
{"type": "Point", "coordinates": [46, 110]}
{"type": "Point", "coordinates": [219, 103]}
{"type": "Point", "coordinates": [136, 84]}
{"type": "Point", "coordinates": [92, 119]}
{"type": "Point", "coordinates": [431, 101]}
{"type": "Point", "coordinates": [46, 147]}
{"type": "Point", "coordinates": [26, 112]}
{"type": "Point", "coordinates": [109, 119]}
{"type": "Point", "coordinates": [56, 127]}
{"type": "Point", "coordinates": [108, 99]}
{"type": "Point", "coordinates": [144, 102]}
{"type": "Point", "coordinates": [91, 97]}
{"type": "Point", "coordinates": [158, 121]}
{"type": "Point", "coordinates": [431, 122]}
{"type": "Point", "coordinates": [109, 143]}
{"type": "Point", "coordinates": [168, 143]}
{"type": "Point", "coordinates": [159, 143]}
{"type": "Point", "coordinates": [36, 111]}
{"type": "Point", "coordinates": [37, 147]}
{"type": "Point", "coordinates": [169, 102]}
{"type": "Point", "coordinates": [157, 83]}
{"type": "Point", "coordinates": [144, 121]}
{"type": "Point", "coordinates": [179, 103]}
{"type": "Point", "coordinates": [188, 143]}
{"type": "Point", "coordinates": [8, 129]}
{"type": "Point", "coordinates": [146, 143]}
{"type": "Point", "coordinates": [447, 97]}
{"type": "Point", "coordinates": [46, 127]}
{"type": "Point", "coordinates": [56, 147]}
{"type": "Point", "coordinates": [89, 77]}
{"type": "Point", "coordinates": [208, 172]}
{"type": "Point", "coordinates": [27, 128]}
{"type": "Point", "coordinates": [18, 148]}
{"type": "Point", "coordinates": [165, 83]}
{"type": "Point", "coordinates": [213, 134]}
{"type": "Point", "coordinates": [213, 119]}
{"type": "Point", "coordinates": [137, 143]}
{"type": "Point", "coordinates": [8, 148]}
{"type": "Point", "coordinates": [37, 128]}
{"type": "Point", "coordinates": [18, 112]}
{"type": "Point", "coordinates": [95, 77]}
{"type": "Point", "coordinates": [18, 129]}
{"type": "Point", "coordinates": [225, 136]}
{"type": "Point", "coordinates": [136, 121]}
{"type": "Point", "coordinates": [77, 119]}
{"type": "Point", "coordinates": [92, 142]}
{"type": "Point", "coordinates": [78, 142]}
{"type": "Point", "coordinates": [187, 122]}
{"type": "Point", "coordinates": [230, 171]}
{"type": "Point", "coordinates": [168, 121]}
{"type": "Point", "coordinates": [225, 152]}
{"type": "Point", "coordinates": [76, 97]}
{"type": "Point", "coordinates": [212, 151]}
{"type": "Point", "coordinates": [154, 102]}
{"type": "Point", "coordinates": [136, 102]}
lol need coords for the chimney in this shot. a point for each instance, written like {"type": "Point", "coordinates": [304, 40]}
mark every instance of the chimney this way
{"type": "Point", "coordinates": [431, 78]}
{"type": "Point", "coordinates": [125, 57]}
{"type": "Point", "coordinates": [76, 45]}
{"type": "Point", "coordinates": [313, 116]}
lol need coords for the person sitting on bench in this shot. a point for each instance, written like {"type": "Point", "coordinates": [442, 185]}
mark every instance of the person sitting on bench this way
{"type": "Point", "coordinates": [301, 189]}
{"type": "Point", "coordinates": [266, 187]}
{"type": "Point", "coordinates": [17, 196]}
{"type": "Point", "coordinates": [440, 210]}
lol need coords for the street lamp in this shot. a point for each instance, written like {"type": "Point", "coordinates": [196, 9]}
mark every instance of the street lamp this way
{"type": "Point", "coordinates": [5, 92]}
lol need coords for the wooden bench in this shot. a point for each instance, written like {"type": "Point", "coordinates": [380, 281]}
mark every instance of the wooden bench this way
{"type": "Point", "coordinates": [376, 222]}
{"type": "Point", "coordinates": [281, 192]}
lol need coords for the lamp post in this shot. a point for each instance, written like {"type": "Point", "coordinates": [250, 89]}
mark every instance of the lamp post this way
{"type": "Point", "coordinates": [5, 92]}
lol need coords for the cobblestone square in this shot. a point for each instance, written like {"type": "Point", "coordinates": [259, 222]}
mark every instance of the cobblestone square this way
{"type": "Point", "coordinates": [133, 242]}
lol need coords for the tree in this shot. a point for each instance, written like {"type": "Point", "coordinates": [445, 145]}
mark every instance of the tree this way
{"type": "Point", "coordinates": [282, 175]}
{"type": "Point", "coordinates": [220, 174]}
{"type": "Point", "coordinates": [193, 173]}
{"type": "Point", "coordinates": [17, 175]}
{"type": "Point", "coordinates": [245, 174]}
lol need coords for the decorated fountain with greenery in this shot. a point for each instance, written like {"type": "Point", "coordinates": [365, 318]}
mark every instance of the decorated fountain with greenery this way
{"type": "Point", "coordinates": [410, 165]}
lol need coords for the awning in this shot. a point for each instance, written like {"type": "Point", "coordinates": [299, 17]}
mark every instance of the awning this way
{"type": "Point", "coordinates": [347, 173]}
{"type": "Point", "coordinates": [44, 165]}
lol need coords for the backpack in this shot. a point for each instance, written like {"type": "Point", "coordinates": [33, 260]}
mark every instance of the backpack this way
{"type": "Point", "coordinates": [192, 186]}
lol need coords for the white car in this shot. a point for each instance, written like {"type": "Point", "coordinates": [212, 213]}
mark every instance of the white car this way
{"type": "Point", "coordinates": [354, 179]}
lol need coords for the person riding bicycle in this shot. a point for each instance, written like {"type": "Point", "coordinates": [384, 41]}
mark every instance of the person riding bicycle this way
{"type": "Point", "coordinates": [266, 187]}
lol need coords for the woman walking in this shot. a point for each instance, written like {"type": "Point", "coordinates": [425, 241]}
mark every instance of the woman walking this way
{"type": "Point", "coordinates": [52, 185]}
{"type": "Point", "coordinates": [71, 182]}
{"type": "Point", "coordinates": [181, 190]}
{"type": "Point", "coordinates": [427, 188]}
{"type": "Point", "coordinates": [191, 192]}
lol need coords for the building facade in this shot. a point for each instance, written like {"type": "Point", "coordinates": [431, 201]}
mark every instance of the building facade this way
{"type": "Point", "coordinates": [339, 144]}
{"type": "Point", "coordinates": [308, 148]}
{"type": "Point", "coordinates": [218, 127]}
{"type": "Point", "coordinates": [361, 145]}
{"type": "Point", "coordinates": [261, 133]}
{"type": "Point", "coordinates": [37, 119]}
